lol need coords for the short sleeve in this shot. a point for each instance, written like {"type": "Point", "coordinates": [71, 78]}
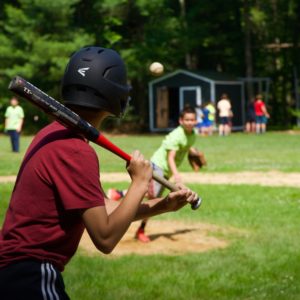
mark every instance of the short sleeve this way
{"type": "Point", "coordinates": [6, 115]}
{"type": "Point", "coordinates": [173, 141]}
{"type": "Point", "coordinates": [76, 178]}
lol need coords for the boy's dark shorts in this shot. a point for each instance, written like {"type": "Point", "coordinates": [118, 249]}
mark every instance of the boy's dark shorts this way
{"type": "Point", "coordinates": [260, 120]}
{"type": "Point", "coordinates": [224, 120]}
{"type": "Point", "coordinates": [32, 280]}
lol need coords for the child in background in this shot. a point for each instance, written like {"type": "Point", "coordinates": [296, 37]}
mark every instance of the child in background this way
{"type": "Point", "coordinates": [225, 115]}
{"type": "Point", "coordinates": [199, 114]}
{"type": "Point", "coordinates": [14, 119]}
{"type": "Point", "coordinates": [166, 159]}
{"type": "Point", "coordinates": [211, 117]}
{"type": "Point", "coordinates": [261, 114]}
{"type": "Point", "coordinates": [250, 117]}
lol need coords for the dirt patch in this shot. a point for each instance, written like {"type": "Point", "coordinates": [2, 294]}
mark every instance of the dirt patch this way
{"type": "Point", "coordinates": [7, 179]}
{"type": "Point", "coordinates": [270, 178]}
{"type": "Point", "coordinates": [168, 237]}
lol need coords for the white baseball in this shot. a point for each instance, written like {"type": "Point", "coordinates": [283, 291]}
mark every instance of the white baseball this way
{"type": "Point", "coordinates": [156, 68]}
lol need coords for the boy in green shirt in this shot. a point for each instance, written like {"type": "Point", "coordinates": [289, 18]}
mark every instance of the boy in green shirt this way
{"type": "Point", "coordinates": [14, 118]}
{"type": "Point", "coordinates": [166, 159]}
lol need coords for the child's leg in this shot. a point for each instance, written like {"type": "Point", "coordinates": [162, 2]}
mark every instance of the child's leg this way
{"type": "Point", "coordinates": [221, 129]}
{"type": "Point", "coordinates": [155, 190]}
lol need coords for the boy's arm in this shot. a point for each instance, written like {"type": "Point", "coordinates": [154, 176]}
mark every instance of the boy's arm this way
{"type": "Point", "coordinates": [107, 225]}
{"type": "Point", "coordinates": [6, 118]}
{"type": "Point", "coordinates": [264, 109]}
{"type": "Point", "coordinates": [20, 125]}
{"type": "Point", "coordinates": [172, 202]}
{"type": "Point", "coordinates": [173, 167]}
{"type": "Point", "coordinates": [105, 229]}
{"type": "Point", "coordinates": [5, 123]}
{"type": "Point", "coordinates": [21, 120]}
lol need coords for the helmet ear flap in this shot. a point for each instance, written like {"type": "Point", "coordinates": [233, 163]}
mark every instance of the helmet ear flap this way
{"type": "Point", "coordinates": [96, 77]}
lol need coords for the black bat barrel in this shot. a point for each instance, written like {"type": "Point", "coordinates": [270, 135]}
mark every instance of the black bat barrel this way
{"type": "Point", "coordinates": [52, 107]}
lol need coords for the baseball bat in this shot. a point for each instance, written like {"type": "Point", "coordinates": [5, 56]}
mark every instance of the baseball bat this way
{"type": "Point", "coordinates": [70, 119]}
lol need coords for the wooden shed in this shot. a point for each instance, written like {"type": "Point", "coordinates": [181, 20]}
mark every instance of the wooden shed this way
{"type": "Point", "coordinates": [168, 95]}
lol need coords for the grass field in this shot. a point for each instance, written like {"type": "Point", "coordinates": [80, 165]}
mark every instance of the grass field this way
{"type": "Point", "coordinates": [238, 152]}
{"type": "Point", "coordinates": [262, 260]}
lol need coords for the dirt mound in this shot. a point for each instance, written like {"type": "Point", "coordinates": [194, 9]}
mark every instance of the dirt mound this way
{"type": "Point", "coordinates": [269, 178]}
{"type": "Point", "coordinates": [167, 237]}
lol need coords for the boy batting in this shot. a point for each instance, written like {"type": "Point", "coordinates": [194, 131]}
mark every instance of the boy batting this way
{"type": "Point", "coordinates": [58, 194]}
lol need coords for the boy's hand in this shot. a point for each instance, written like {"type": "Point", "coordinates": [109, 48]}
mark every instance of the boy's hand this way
{"type": "Point", "coordinates": [180, 185]}
{"type": "Point", "coordinates": [139, 168]}
{"type": "Point", "coordinates": [178, 199]}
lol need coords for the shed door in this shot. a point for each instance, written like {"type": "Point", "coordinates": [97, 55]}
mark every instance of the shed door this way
{"type": "Point", "coordinates": [162, 108]}
{"type": "Point", "coordinates": [189, 95]}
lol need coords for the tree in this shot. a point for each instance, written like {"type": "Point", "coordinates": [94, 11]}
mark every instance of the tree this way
{"type": "Point", "coordinates": [244, 38]}
{"type": "Point", "coordinates": [36, 39]}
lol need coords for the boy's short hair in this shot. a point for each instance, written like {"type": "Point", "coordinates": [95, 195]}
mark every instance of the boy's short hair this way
{"type": "Point", "coordinates": [187, 110]}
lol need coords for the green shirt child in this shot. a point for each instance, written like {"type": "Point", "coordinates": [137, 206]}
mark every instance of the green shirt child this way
{"type": "Point", "coordinates": [178, 140]}
{"type": "Point", "coordinates": [14, 116]}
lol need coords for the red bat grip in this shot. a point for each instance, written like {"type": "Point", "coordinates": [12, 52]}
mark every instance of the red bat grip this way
{"type": "Point", "coordinates": [107, 144]}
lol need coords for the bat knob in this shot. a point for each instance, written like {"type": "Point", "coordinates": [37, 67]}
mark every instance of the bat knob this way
{"type": "Point", "coordinates": [196, 204]}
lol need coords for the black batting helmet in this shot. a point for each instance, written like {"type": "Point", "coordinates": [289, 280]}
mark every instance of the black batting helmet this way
{"type": "Point", "coordinates": [96, 78]}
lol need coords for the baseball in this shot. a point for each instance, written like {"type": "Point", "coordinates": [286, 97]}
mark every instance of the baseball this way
{"type": "Point", "coordinates": [156, 68]}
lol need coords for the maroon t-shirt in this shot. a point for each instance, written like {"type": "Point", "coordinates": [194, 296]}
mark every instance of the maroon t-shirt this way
{"type": "Point", "coordinates": [58, 178]}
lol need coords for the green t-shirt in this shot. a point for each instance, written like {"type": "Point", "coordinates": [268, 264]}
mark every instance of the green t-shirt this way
{"type": "Point", "coordinates": [212, 111]}
{"type": "Point", "coordinates": [13, 115]}
{"type": "Point", "coordinates": [177, 140]}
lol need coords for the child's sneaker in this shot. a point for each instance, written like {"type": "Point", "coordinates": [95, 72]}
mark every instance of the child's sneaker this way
{"type": "Point", "coordinates": [141, 236]}
{"type": "Point", "coordinates": [114, 194]}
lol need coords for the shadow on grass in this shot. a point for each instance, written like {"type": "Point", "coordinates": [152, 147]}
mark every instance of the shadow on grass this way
{"type": "Point", "coordinates": [170, 235]}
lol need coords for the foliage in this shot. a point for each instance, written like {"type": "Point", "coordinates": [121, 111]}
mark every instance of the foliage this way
{"type": "Point", "coordinates": [296, 113]}
{"type": "Point", "coordinates": [129, 123]}
{"type": "Point", "coordinates": [38, 36]}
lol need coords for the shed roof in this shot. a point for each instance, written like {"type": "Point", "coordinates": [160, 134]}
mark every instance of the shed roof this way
{"type": "Point", "coordinates": [211, 76]}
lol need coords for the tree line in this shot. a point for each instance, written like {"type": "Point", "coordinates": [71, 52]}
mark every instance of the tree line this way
{"type": "Point", "coordinates": [246, 38]}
